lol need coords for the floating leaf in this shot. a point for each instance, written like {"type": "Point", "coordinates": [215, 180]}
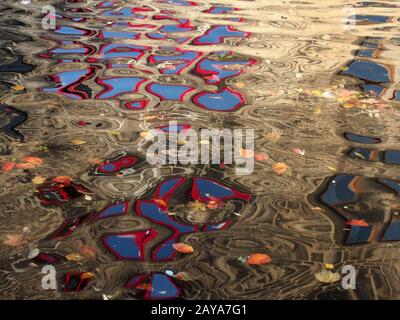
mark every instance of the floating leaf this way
{"type": "Point", "coordinates": [273, 136]}
{"type": "Point", "coordinates": [149, 117]}
{"type": "Point", "coordinates": [261, 156]}
{"type": "Point", "coordinates": [18, 88]}
{"type": "Point", "coordinates": [348, 105]}
{"type": "Point", "coordinates": [8, 166]}
{"type": "Point", "coordinates": [25, 165]}
{"type": "Point", "coordinates": [280, 167]}
{"type": "Point", "coordinates": [14, 240]}
{"type": "Point", "coordinates": [78, 142]}
{"type": "Point", "coordinates": [327, 276]}
{"type": "Point", "coordinates": [161, 202]}
{"type": "Point", "coordinates": [299, 151]}
{"type": "Point", "coordinates": [75, 257]}
{"type": "Point", "coordinates": [87, 275]}
{"type": "Point", "coordinates": [63, 180]}
{"type": "Point", "coordinates": [357, 223]}
{"type": "Point", "coordinates": [183, 248]}
{"type": "Point", "coordinates": [33, 160]}
{"type": "Point", "coordinates": [258, 258]}
{"type": "Point", "coordinates": [38, 180]}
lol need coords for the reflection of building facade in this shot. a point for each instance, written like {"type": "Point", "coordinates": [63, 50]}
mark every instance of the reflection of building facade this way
{"type": "Point", "coordinates": [369, 206]}
{"type": "Point", "coordinates": [378, 77]}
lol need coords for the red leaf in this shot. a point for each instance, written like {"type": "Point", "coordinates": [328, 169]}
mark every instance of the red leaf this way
{"type": "Point", "coordinates": [357, 223]}
{"type": "Point", "coordinates": [8, 166]}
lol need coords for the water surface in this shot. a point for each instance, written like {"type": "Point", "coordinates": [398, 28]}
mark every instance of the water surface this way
{"type": "Point", "coordinates": [317, 81]}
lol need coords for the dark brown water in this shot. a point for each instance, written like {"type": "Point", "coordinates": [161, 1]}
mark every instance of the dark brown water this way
{"type": "Point", "coordinates": [318, 82]}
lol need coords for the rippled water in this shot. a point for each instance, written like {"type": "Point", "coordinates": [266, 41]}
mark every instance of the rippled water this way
{"type": "Point", "coordinates": [317, 81]}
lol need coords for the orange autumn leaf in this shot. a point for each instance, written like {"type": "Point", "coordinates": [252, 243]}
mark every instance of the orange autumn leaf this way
{"type": "Point", "coordinates": [246, 153]}
{"type": "Point", "coordinates": [14, 240]}
{"type": "Point", "coordinates": [87, 275]}
{"type": "Point", "coordinates": [258, 258]}
{"type": "Point", "coordinates": [25, 165]}
{"type": "Point", "coordinates": [160, 202]}
{"type": "Point", "coordinates": [280, 167]}
{"type": "Point", "coordinates": [357, 223]}
{"type": "Point", "coordinates": [18, 88]}
{"type": "Point", "coordinates": [74, 257]}
{"type": "Point", "coordinates": [183, 248]}
{"type": "Point", "coordinates": [63, 179]}
{"type": "Point", "coordinates": [8, 166]}
{"type": "Point", "coordinates": [33, 160]}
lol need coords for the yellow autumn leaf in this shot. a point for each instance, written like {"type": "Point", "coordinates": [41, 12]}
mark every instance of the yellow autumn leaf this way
{"type": "Point", "coordinates": [326, 276]}
{"type": "Point", "coordinates": [328, 266]}
{"type": "Point", "coordinates": [38, 180]}
{"type": "Point", "coordinates": [75, 257]}
{"type": "Point", "coordinates": [78, 142]}
{"type": "Point", "coordinates": [273, 136]}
